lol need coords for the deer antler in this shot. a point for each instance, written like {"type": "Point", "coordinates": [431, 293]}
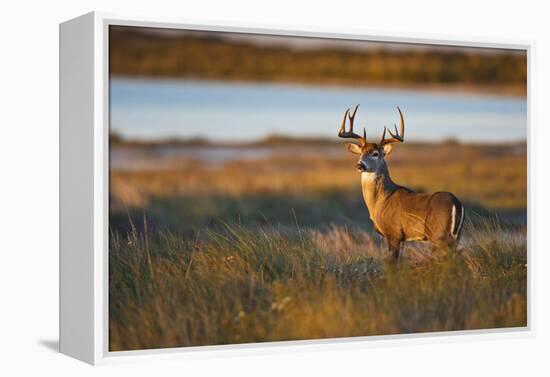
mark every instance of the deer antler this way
{"type": "Point", "coordinates": [398, 137]}
{"type": "Point", "coordinates": [350, 134]}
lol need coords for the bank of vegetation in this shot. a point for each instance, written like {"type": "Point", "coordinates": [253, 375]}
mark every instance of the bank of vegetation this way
{"type": "Point", "coordinates": [140, 52]}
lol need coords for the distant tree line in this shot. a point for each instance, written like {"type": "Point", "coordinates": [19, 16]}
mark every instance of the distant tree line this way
{"type": "Point", "coordinates": [136, 53]}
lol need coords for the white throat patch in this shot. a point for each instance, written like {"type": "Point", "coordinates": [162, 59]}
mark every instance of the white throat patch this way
{"type": "Point", "coordinates": [367, 177]}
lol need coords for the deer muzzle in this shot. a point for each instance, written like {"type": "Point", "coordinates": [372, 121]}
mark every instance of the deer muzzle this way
{"type": "Point", "coordinates": [361, 166]}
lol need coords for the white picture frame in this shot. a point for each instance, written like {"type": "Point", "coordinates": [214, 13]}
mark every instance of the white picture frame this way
{"type": "Point", "coordinates": [84, 185]}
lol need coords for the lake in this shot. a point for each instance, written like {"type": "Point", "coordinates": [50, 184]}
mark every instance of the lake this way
{"type": "Point", "coordinates": [228, 111]}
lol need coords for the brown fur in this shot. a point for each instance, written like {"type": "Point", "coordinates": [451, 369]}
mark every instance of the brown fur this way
{"type": "Point", "coordinates": [400, 214]}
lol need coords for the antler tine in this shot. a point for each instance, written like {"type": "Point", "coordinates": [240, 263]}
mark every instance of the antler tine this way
{"type": "Point", "coordinates": [350, 134]}
{"type": "Point", "coordinates": [398, 136]}
{"type": "Point", "coordinates": [352, 117]}
{"type": "Point", "coordinates": [343, 128]}
{"type": "Point", "coordinates": [401, 123]}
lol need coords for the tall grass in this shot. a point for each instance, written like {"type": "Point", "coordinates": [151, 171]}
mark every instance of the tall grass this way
{"type": "Point", "coordinates": [282, 248]}
{"type": "Point", "coordinates": [239, 284]}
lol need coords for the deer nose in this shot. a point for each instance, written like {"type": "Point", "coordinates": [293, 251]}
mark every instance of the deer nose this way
{"type": "Point", "coordinates": [361, 166]}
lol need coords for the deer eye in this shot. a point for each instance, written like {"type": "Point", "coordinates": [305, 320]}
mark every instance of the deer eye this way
{"type": "Point", "coordinates": [374, 154]}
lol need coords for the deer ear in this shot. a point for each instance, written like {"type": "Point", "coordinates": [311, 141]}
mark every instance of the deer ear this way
{"type": "Point", "coordinates": [353, 148]}
{"type": "Point", "coordinates": [387, 149]}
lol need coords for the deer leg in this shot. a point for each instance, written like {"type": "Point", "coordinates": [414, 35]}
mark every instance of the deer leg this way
{"type": "Point", "coordinates": [394, 247]}
{"type": "Point", "coordinates": [446, 243]}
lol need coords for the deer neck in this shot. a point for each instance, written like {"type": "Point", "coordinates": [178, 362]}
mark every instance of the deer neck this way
{"type": "Point", "coordinates": [376, 188]}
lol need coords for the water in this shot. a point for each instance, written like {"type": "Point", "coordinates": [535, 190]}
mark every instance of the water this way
{"type": "Point", "coordinates": [169, 157]}
{"type": "Point", "coordinates": [222, 111]}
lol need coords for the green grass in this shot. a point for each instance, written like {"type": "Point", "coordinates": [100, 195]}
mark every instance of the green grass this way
{"type": "Point", "coordinates": [238, 284]}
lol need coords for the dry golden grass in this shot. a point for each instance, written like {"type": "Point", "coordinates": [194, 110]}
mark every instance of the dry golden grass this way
{"type": "Point", "coordinates": [282, 249]}
{"type": "Point", "coordinates": [240, 285]}
{"type": "Point", "coordinates": [494, 178]}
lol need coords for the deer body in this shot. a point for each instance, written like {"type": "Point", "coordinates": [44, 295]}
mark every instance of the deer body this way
{"type": "Point", "coordinates": [398, 213]}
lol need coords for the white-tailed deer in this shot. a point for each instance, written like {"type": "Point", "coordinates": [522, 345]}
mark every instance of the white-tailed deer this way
{"type": "Point", "coordinates": [398, 213]}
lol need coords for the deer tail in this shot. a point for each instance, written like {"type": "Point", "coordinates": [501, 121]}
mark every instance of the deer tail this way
{"type": "Point", "coordinates": [457, 218]}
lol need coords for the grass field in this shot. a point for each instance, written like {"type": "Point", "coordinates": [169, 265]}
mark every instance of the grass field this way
{"type": "Point", "coordinates": [281, 248]}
